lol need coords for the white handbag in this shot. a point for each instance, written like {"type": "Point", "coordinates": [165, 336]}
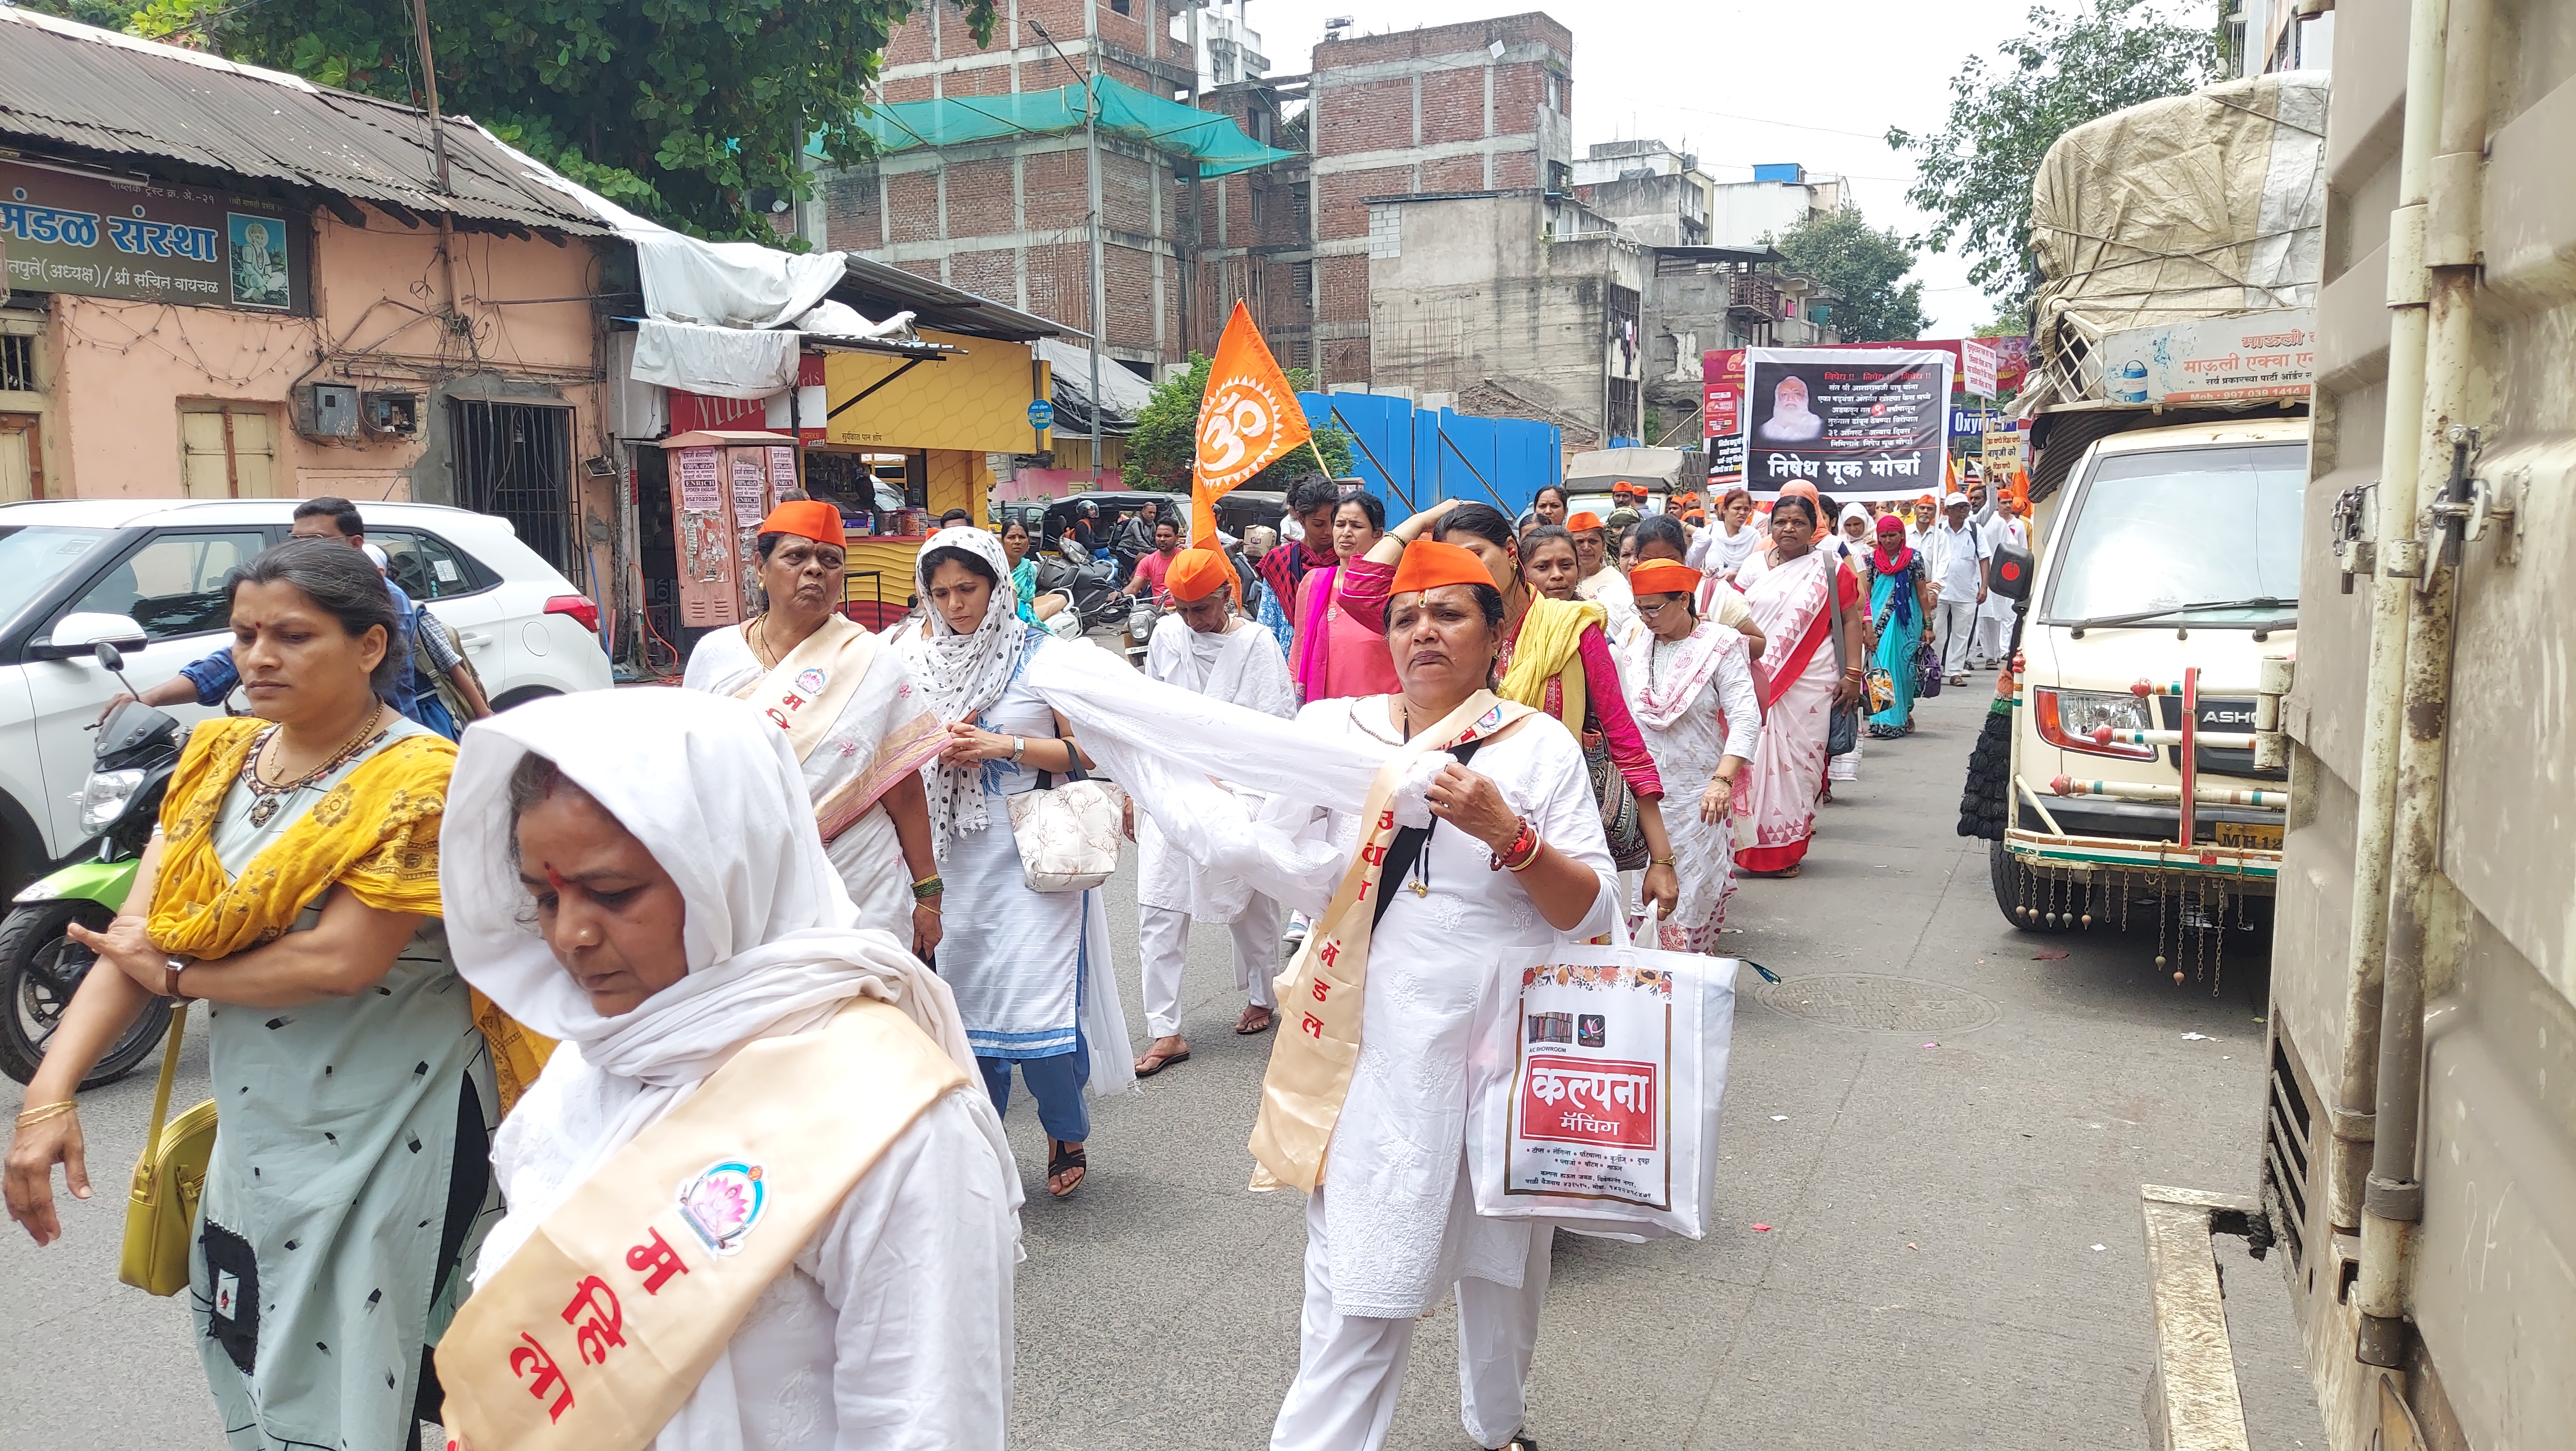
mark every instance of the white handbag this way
{"type": "Point", "coordinates": [1068, 833]}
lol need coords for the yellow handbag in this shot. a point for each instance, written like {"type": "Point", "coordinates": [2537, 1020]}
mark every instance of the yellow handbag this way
{"type": "Point", "coordinates": [168, 1181]}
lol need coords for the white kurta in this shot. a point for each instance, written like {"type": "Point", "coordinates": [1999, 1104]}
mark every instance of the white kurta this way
{"type": "Point", "coordinates": [1400, 1225]}
{"type": "Point", "coordinates": [892, 1328]}
{"type": "Point", "coordinates": [1686, 756]}
{"type": "Point", "coordinates": [867, 855]}
{"type": "Point", "coordinates": [1244, 667]}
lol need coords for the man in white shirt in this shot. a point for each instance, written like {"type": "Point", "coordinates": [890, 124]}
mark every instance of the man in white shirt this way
{"type": "Point", "coordinates": [1995, 524]}
{"type": "Point", "coordinates": [1207, 646]}
{"type": "Point", "coordinates": [1957, 552]}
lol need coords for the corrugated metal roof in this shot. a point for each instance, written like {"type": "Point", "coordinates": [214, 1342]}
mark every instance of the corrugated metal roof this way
{"type": "Point", "coordinates": [129, 103]}
{"type": "Point", "coordinates": [878, 290]}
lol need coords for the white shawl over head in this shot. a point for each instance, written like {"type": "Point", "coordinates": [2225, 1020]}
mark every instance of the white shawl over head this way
{"type": "Point", "coordinates": [715, 793]}
{"type": "Point", "coordinates": [963, 674]}
{"type": "Point", "coordinates": [705, 784]}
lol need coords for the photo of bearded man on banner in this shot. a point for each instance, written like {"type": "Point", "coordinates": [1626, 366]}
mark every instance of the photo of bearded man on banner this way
{"type": "Point", "coordinates": [1857, 423]}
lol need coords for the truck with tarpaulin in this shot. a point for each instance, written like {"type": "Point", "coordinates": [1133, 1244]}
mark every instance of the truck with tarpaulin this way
{"type": "Point", "coordinates": [2121, 778]}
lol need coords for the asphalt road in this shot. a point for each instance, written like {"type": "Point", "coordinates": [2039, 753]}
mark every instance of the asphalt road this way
{"type": "Point", "coordinates": [1949, 1175]}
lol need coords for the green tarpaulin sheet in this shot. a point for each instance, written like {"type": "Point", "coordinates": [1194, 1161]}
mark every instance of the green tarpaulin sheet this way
{"type": "Point", "coordinates": [1217, 144]}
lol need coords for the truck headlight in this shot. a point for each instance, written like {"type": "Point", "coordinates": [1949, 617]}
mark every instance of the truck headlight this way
{"type": "Point", "coordinates": [104, 795]}
{"type": "Point", "coordinates": [2068, 720]}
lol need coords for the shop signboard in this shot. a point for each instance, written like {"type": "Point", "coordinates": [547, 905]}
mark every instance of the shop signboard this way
{"type": "Point", "coordinates": [150, 241]}
{"type": "Point", "coordinates": [1858, 423]}
{"type": "Point", "coordinates": [2213, 360]}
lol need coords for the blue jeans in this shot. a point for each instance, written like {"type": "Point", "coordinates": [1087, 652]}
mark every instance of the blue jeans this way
{"type": "Point", "coordinates": [1056, 1083]}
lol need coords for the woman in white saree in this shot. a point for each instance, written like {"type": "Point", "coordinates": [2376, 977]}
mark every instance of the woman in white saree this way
{"type": "Point", "coordinates": [847, 701]}
{"type": "Point", "coordinates": [835, 1270]}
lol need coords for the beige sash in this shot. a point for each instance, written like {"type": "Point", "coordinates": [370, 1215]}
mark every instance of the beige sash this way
{"type": "Point", "coordinates": [804, 693]}
{"type": "Point", "coordinates": [604, 1322]}
{"type": "Point", "coordinates": [1310, 1064]}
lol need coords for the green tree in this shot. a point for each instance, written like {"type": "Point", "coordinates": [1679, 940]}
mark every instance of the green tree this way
{"type": "Point", "coordinates": [1842, 251]}
{"type": "Point", "coordinates": [688, 111]}
{"type": "Point", "coordinates": [1163, 443]}
{"type": "Point", "coordinates": [106, 14]}
{"type": "Point", "coordinates": [2071, 67]}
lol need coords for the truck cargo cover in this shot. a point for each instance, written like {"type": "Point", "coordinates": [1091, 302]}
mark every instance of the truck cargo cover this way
{"type": "Point", "coordinates": [2205, 205]}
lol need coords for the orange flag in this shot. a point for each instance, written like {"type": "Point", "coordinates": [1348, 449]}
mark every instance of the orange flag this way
{"type": "Point", "coordinates": [1248, 418]}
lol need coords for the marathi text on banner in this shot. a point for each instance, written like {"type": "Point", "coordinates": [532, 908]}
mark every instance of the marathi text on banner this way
{"type": "Point", "coordinates": [1859, 423]}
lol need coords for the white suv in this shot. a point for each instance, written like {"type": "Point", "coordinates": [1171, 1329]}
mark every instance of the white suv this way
{"type": "Point", "coordinates": [163, 562]}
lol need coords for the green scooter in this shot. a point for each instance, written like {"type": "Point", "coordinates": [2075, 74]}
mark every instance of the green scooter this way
{"type": "Point", "coordinates": [40, 965]}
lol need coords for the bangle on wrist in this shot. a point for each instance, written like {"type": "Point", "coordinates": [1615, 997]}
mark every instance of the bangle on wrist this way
{"type": "Point", "coordinates": [928, 887]}
{"type": "Point", "coordinates": [1662, 861]}
{"type": "Point", "coordinates": [34, 1116]}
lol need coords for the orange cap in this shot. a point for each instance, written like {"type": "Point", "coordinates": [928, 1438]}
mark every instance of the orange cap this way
{"type": "Point", "coordinates": [1578, 523]}
{"type": "Point", "coordinates": [1927, 499]}
{"type": "Point", "coordinates": [808, 519]}
{"type": "Point", "coordinates": [1663, 577]}
{"type": "Point", "coordinates": [1429, 564]}
{"type": "Point", "coordinates": [1197, 573]}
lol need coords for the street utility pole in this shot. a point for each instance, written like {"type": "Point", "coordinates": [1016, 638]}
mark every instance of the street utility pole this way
{"type": "Point", "coordinates": [1099, 284]}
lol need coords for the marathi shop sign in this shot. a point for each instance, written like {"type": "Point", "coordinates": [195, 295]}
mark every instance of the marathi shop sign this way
{"type": "Point", "coordinates": [1858, 423]}
{"type": "Point", "coordinates": [148, 241]}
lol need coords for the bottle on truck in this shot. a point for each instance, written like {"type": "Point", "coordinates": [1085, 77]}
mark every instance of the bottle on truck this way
{"type": "Point", "coordinates": [2120, 779]}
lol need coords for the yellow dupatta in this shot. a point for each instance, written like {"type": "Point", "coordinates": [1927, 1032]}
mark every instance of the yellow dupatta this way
{"type": "Point", "coordinates": [1551, 633]}
{"type": "Point", "coordinates": [376, 833]}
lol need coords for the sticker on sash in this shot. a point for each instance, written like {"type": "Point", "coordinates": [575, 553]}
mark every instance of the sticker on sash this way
{"type": "Point", "coordinates": [1488, 720]}
{"type": "Point", "coordinates": [810, 681]}
{"type": "Point", "coordinates": [722, 1203]}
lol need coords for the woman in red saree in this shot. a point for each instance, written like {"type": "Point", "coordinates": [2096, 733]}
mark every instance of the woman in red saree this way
{"type": "Point", "coordinates": [1792, 587]}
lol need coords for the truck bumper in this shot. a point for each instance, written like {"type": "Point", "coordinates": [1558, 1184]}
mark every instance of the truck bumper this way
{"type": "Point", "coordinates": [2255, 868]}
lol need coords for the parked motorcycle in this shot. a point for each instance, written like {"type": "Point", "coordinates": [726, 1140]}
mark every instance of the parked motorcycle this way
{"type": "Point", "coordinates": [1092, 583]}
{"type": "Point", "coordinates": [40, 965]}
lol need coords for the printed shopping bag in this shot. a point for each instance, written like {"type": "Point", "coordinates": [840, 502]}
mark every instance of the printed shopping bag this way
{"type": "Point", "coordinates": [1593, 1093]}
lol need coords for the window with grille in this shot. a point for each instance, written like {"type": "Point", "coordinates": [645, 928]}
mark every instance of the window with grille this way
{"type": "Point", "coordinates": [227, 451]}
{"type": "Point", "coordinates": [1302, 277]}
{"type": "Point", "coordinates": [515, 460]}
{"type": "Point", "coordinates": [17, 363]}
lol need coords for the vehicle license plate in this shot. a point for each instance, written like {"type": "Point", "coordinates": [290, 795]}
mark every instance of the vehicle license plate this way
{"type": "Point", "coordinates": [2256, 838]}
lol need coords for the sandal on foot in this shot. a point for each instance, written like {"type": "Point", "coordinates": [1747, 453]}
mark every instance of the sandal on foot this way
{"type": "Point", "coordinates": [1246, 1027]}
{"type": "Point", "coordinates": [1064, 1158]}
{"type": "Point", "coordinates": [1153, 1063]}
{"type": "Point", "coordinates": [1522, 1441]}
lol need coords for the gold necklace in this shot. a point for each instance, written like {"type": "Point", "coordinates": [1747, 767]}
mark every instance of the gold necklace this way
{"type": "Point", "coordinates": [270, 797]}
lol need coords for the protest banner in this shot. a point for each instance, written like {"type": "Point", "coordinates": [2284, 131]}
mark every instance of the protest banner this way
{"type": "Point", "coordinates": [1858, 423]}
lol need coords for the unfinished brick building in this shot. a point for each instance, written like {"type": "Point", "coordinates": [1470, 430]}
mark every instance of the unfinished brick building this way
{"type": "Point", "coordinates": [1465, 107]}
{"type": "Point", "coordinates": [1481, 106]}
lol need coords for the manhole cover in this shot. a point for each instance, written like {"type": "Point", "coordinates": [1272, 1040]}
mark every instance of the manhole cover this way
{"type": "Point", "coordinates": [1877, 1004]}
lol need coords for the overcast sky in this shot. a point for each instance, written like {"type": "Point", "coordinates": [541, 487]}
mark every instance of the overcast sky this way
{"type": "Point", "coordinates": [1740, 83]}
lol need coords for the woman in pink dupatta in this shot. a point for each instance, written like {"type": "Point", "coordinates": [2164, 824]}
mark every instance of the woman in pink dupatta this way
{"type": "Point", "coordinates": [1339, 653]}
{"type": "Point", "coordinates": [1790, 587]}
